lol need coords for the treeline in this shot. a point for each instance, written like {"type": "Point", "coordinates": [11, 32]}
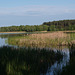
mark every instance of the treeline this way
{"type": "Point", "coordinates": [61, 25]}
{"type": "Point", "coordinates": [46, 26]}
{"type": "Point", "coordinates": [26, 28]}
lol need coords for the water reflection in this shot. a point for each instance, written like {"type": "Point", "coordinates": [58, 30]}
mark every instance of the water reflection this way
{"type": "Point", "coordinates": [2, 42]}
{"type": "Point", "coordinates": [70, 68]}
{"type": "Point", "coordinates": [58, 65]}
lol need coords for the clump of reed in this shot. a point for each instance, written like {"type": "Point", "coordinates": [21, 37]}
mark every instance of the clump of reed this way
{"type": "Point", "coordinates": [44, 39]}
{"type": "Point", "coordinates": [26, 61]}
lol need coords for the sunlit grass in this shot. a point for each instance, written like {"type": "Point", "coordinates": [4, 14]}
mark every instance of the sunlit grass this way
{"type": "Point", "coordinates": [43, 39]}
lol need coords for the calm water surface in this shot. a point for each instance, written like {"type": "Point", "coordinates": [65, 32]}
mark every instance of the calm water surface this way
{"type": "Point", "coordinates": [2, 42]}
{"type": "Point", "coordinates": [58, 65]}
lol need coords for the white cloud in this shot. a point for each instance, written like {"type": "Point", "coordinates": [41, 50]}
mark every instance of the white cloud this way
{"type": "Point", "coordinates": [36, 10]}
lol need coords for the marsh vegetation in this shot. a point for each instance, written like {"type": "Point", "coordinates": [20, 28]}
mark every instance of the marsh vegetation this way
{"type": "Point", "coordinates": [44, 39]}
{"type": "Point", "coordinates": [26, 61]}
{"type": "Point", "coordinates": [36, 54]}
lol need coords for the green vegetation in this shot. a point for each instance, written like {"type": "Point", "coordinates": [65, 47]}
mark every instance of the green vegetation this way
{"type": "Point", "coordinates": [34, 60]}
{"type": "Point", "coordinates": [43, 39]}
{"type": "Point", "coordinates": [26, 61]}
{"type": "Point", "coordinates": [46, 26]}
{"type": "Point", "coordinates": [61, 25]}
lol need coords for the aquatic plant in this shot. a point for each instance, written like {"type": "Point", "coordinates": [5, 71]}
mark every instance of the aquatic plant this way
{"type": "Point", "coordinates": [43, 39]}
{"type": "Point", "coordinates": [26, 61]}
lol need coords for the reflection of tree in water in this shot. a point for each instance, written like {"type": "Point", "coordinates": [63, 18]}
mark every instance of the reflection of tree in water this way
{"type": "Point", "coordinates": [26, 61]}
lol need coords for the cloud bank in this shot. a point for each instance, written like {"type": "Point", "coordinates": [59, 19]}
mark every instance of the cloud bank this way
{"type": "Point", "coordinates": [36, 10]}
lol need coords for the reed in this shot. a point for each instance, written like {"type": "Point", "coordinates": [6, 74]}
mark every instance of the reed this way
{"type": "Point", "coordinates": [26, 61]}
{"type": "Point", "coordinates": [44, 39]}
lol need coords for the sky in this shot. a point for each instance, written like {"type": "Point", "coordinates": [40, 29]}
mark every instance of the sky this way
{"type": "Point", "coordinates": [35, 12]}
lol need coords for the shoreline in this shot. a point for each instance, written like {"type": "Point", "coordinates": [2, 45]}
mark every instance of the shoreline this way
{"type": "Point", "coordinates": [36, 31]}
{"type": "Point", "coordinates": [13, 32]}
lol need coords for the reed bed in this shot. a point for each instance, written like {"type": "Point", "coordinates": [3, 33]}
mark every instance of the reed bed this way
{"type": "Point", "coordinates": [27, 61]}
{"type": "Point", "coordinates": [44, 39]}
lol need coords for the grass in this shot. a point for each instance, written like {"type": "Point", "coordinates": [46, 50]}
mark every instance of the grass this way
{"type": "Point", "coordinates": [26, 61]}
{"type": "Point", "coordinates": [44, 39]}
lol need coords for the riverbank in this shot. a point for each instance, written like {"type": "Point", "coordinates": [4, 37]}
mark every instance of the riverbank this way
{"type": "Point", "coordinates": [14, 32]}
{"type": "Point", "coordinates": [36, 31]}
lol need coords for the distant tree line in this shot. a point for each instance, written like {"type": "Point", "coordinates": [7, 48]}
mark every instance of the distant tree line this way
{"type": "Point", "coordinates": [60, 25]}
{"type": "Point", "coordinates": [46, 26]}
{"type": "Point", "coordinates": [26, 28]}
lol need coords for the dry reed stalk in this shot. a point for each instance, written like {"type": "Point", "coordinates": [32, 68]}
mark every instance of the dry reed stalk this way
{"type": "Point", "coordinates": [49, 35]}
{"type": "Point", "coordinates": [44, 38]}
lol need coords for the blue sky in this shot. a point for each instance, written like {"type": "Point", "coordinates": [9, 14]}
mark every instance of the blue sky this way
{"type": "Point", "coordinates": [35, 12]}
